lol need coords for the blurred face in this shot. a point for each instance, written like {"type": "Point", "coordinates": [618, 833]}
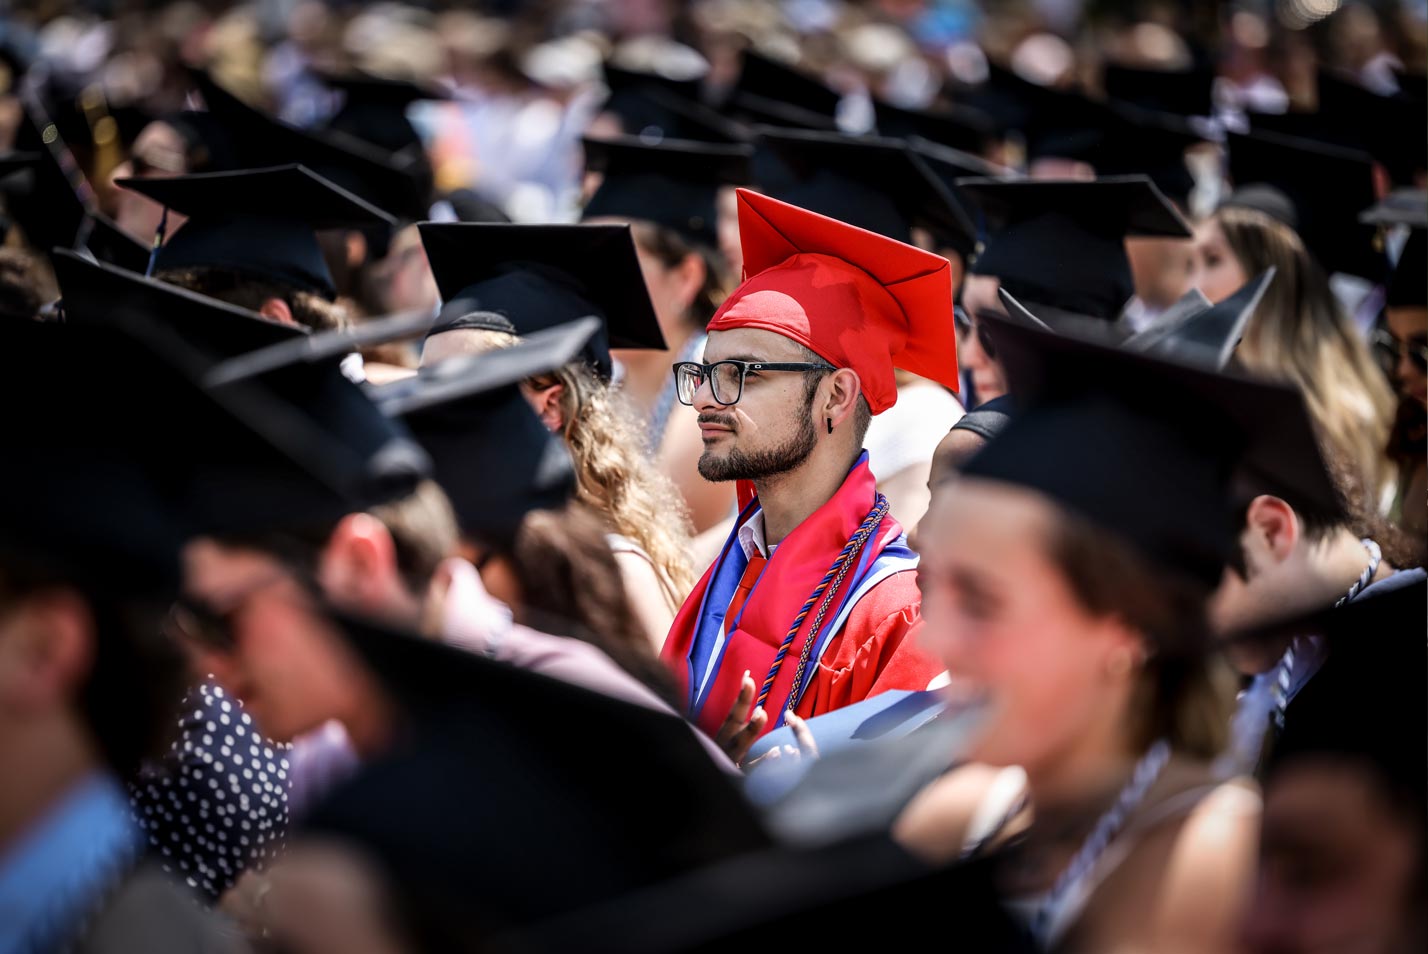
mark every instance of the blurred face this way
{"type": "Point", "coordinates": [770, 430]}
{"type": "Point", "coordinates": [158, 153]}
{"type": "Point", "coordinates": [979, 294]}
{"type": "Point", "coordinates": [1161, 268]}
{"type": "Point", "coordinates": [404, 279]}
{"type": "Point", "coordinates": [1409, 327]}
{"type": "Point", "coordinates": [1218, 274]}
{"type": "Point", "coordinates": [1339, 867]}
{"type": "Point", "coordinates": [1004, 620]}
{"type": "Point", "coordinates": [260, 637]}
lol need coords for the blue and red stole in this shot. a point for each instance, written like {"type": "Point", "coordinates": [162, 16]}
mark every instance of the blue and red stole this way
{"type": "Point", "coordinates": [709, 663]}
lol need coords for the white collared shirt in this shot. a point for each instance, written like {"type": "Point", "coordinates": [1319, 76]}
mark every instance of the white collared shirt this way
{"type": "Point", "coordinates": [751, 536]}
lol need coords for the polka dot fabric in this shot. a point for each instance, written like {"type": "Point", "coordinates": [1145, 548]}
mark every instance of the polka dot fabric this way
{"type": "Point", "coordinates": [217, 803]}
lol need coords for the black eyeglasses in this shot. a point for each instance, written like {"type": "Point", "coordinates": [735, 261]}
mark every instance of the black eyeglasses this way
{"type": "Point", "coordinates": [726, 378]}
{"type": "Point", "coordinates": [1414, 348]}
{"type": "Point", "coordinates": [209, 626]}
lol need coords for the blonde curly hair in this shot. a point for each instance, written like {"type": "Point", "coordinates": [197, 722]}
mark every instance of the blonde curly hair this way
{"type": "Point", "coordinates": [616, 479]}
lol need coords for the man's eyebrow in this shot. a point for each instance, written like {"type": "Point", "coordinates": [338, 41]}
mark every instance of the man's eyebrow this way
{"type": "Point", "coordinates": [752, 359]}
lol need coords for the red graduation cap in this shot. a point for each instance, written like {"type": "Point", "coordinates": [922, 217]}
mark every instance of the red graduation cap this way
{"type": "Point", "coordinates": [857, 299]}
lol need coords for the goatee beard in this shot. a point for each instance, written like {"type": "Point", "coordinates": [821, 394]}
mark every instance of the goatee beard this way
{"type": "Point", "coordinates": [737, 465]}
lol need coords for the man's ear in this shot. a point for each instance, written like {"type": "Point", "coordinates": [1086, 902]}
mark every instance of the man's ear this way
{"type": "Point", "coordinates": [1272, 526]}
{"type": "Point", "coordinates": [692, 272]}
{"type": "Point", "coordinates": [46, 649]}
{"type": "Point", "coordinates": [842, 388]}
{"type": "Point", "coordinates": [275, 309]}
{"type": "Point", "coordinates": [359, 564]}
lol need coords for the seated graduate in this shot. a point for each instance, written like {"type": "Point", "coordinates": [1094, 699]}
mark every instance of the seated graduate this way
{"type": "Point", "coordinates": [89, 565]}
{"type": "Point", "coordinates": [1342, 856]}
{"type": "Point", "coordinates": [1065, 576]}
{"type": "Point", "coordinates": [813, 593]}
{"type": "Point", "coordinates": [500, 283]}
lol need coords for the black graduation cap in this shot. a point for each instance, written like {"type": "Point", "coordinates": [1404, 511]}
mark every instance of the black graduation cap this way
{"type": "Point", "coordinates": [1181, 92]}
{"type": "Point", "coordinates": [556, 829]}
{"type": "Point", "coordinates": [54, 203]}
{"type": "Point", "coordinates": [494, 457]}
{"type": "Point", "coordinates": [793, 898]}
{"type": "Point", "coordinates": [301, 444]}
{"type": "Point", "coordinates": [1064, 124]}
{"type": "Point", "coordinates": [1205, 336]}
{"type": "Point", "coordinates": [656, 114]}
{"type": "Point", "coordinates": [882, 185]}
{"type": "Point", "coordinates": [774, 94]}
{"type": "Point", "coordinates": [399, 183]}
{"type": "Point", "coordinates": [80, 498]}
{"type": "Point", "coordinates": [674, 184]}
{"type": "Point", "coordinates": [1145, 447]}
{"type": "Point", "coordinates": [1061, 244]}
{"type": "Point", "coordinates": [1365, 706]}
{"type": "Point", "coordinates": [374, 108]}
{"type": "Point", "coordinates": [656, 107]}
{"type": "Point", "coordinates": [1408, 287]}
{"type": "Point", "coordinates": [321, 346]}
{"type": "Point", "coordinates": [1004, 96]}
{"type": "Point", "coordinates": [1329, 187]}
{"type": "Point", "coordinates": [258, 222]}
{"type": "Point", "coordinates": [524, 278]}
{"type": "Point", "coordinates": [964, 128]}
{"type": "Point", "coordinates": [1140, 141]}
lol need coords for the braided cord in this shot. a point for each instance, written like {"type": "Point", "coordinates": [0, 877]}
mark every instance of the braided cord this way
{"type": "Point", "coordinates": [1109, 825]}
{"type": "Point", "coordinates": [830, 583]}
{"type": "Point", "coordinates": [1366, 577]}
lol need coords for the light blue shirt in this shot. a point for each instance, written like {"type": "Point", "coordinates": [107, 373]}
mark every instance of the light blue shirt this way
{"type": "Point", "coordinates": [56, 873]}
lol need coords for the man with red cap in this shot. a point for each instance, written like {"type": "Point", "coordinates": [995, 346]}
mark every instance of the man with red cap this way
{"type": "Point", "coordinates": [809, 606]}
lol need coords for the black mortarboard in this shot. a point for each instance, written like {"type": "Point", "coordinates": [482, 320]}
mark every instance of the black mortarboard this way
{"type": "Point", "coordinates": [987, 419]}
{"type": "Point", "coordinates": [1147, 448]}
{"type": "Point", "coordinates": [656, 107]}
{"type": "Point", "coordinates": [673, 184]}
{"type": "Point", "coordinates": [374, 108]}
{"type": "Point", "coordinates": [1408, 286]}
{"type": "Point", "coordinates": [1181, 92]}
{"type": "Point", "coordinates": [310, 447]}
{"type": "Point", "coordinates": [556, 830]}
{"type": "Point", "coordinates": [1328, 186]}
{"type": "Point", "coordinates": [1392, 128]}
{"type": "Point", "coordinates": [1154, 144]}
{"type": "Point", "coordinates": [399, 183]}
{"type": "Point", "coordinates": [55, 204]}
{"type": "Point", "coordinates": [1206, 337]}
{"type": "Point", "coordinates": [655, 114]}
{"type": "Point", "coordinates": [494, 457]}
{"type": "Point", "coordinates": [524, 278]}
{"type": "Point", "coordinates": [775, 94]}
{"type": "Point", "coordinates": [1061, 244]}
{"type": "Point", "coordinates": [322, 345]}
{"type": "Point", "coordinates": [964, 128]}
{"type": "Point", "coordinates": [881, 185]}
{"type": "Point", "coordinates": [793, 897]}
{"type": "Point", "coordinates": [262, 223]}
{"type": "Point", "coordinates": [1064, 124]}
{"type": "Point", "coordinates": [1004, 96]}
{"type": "Point", "coordinates": [1365, 706]}
{"type": "Point", "coordinates": [79, 498]}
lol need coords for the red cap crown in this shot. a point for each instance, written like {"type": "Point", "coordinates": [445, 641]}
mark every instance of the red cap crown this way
{"type": "Point", "coordinates": [857, 299]}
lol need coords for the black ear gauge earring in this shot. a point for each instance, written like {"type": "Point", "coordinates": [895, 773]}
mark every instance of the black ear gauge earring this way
{"type": "Point", "coordinates": [830, 425]}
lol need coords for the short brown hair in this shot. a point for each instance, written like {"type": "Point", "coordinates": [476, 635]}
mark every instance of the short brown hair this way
{"type": "Point", "coordinates": [26, 285]}
{"type": "Point", "coordinates": [309, 310]}
{"type": "Point", "coordinates": [1185, 692]}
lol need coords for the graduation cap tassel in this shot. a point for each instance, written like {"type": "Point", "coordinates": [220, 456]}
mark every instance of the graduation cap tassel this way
{"type": "Point", "coordinates": [159, 234]}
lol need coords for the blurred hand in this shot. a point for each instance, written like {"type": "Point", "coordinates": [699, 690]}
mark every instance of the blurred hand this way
{"type": "Point", "coordinates": [806, 748]}
{"type": "Point", "coordinates": [741, 727]}
{"type": "Point", "coordinates": [319, 898]}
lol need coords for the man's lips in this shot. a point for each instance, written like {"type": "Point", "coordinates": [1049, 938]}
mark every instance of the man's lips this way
{"type": "Point", "coordinates": [710, 428]}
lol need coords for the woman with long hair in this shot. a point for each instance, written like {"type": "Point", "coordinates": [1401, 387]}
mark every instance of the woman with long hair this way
{"type": "Point", "coordinates": [1300, 333]}
{"type": "Point", "coordinates": [1065, 574]}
